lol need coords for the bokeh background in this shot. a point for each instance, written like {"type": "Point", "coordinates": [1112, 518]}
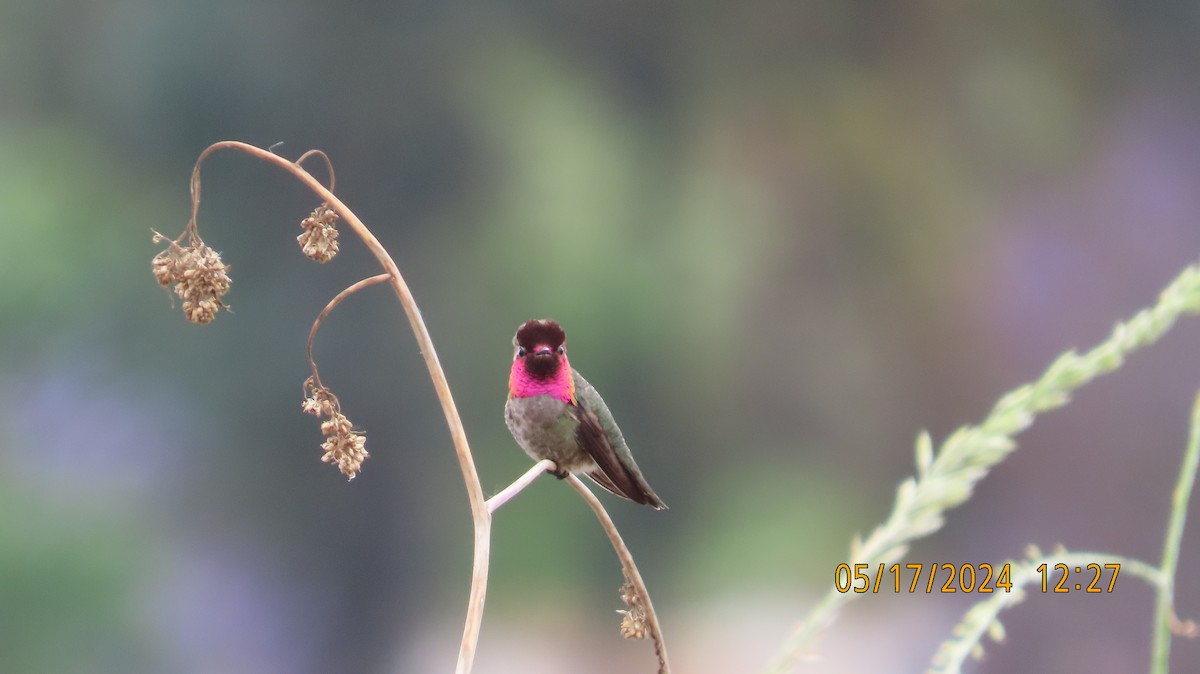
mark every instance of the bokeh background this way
{"type": "Point", "coordinates": [783, 237]}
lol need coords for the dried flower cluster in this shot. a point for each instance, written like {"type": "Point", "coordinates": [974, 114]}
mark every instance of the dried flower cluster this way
{"type": "Point", "coordinates": [633, 624]}
{"type": "Point", "coordinates": [343, 445]}
{"type": "Point", "coordinates": [199, 275]}
{"type": "Point", "coordinates": [319, 239]}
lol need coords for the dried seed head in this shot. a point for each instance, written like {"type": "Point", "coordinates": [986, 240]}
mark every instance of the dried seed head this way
{"type": "Point", "coordinates": [318, 406]}
{"type": "Point", "coordinates": [199, 275]}
{"type": "Point", "coordinates": [319, 239]}
{"type": "Point", "coordinates": [633, 626]}
{"type": "Point", "coordinates": [343, 446]}
{"type": "Point", "coordinates": [201, 312]}
{"type": "Point", "coordinates": [348, 451]}
{"type": "Point", "coordinates": [633, 622]}
{"type": "Point", "coordinates": [337, 425]}
{"type": "Point", "coordinates": [163, 267]}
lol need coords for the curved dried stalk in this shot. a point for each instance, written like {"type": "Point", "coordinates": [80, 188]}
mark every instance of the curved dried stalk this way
{"type": "Point", "coordinates": [506, 495]}
{"type": "Point", "coordinates": [481, 510]}
{"type": "Point", "coordinates": [632, 576]}
{"type": "Point", "coordinates": [328, 165]}
{"type": "Point", "coordinates": [458, 435]}
{"type": "Point", "coordinates": [312, 333]}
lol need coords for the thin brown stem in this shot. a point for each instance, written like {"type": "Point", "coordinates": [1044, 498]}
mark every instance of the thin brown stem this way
{"type": "Point", "coordinates": [628, 567]}
{"type": "Point", "coordinates": [479, 514]}
{"type": "Point", "coordinates": [481, 510]}
{"type": "Point", "coordinates": [328, 165]}
{"type": "Point", "coordinates": [504, 496]}
{"type": "Point", "coordinates": [365, 283]}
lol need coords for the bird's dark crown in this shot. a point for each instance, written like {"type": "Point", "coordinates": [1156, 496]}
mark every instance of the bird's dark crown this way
{"type": "Point", "coordinates": [540, 332]}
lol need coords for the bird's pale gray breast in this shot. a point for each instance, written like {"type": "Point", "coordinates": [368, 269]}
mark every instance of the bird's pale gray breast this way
{"type": "Point", "coordinates": [545, 428]}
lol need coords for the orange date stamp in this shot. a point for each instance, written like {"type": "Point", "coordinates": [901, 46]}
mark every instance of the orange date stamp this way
{"type": "Point", "coordinates": [1085, 578]}
{"type": "Point", "coordinates": [944, 578]}
{"type": "Point", "coordinates": [947, 578]}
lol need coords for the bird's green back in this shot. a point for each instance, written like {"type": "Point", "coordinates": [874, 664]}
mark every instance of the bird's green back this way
{"type": "Point", "coordinates": [587, 397]}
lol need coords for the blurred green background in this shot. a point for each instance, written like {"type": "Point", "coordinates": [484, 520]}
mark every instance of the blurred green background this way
{"type": "Point", "coordinates": [783, 237]}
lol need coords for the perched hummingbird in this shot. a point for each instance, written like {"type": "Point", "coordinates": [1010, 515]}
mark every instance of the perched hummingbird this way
{"type": "Point", "coordinates": [553, 413]}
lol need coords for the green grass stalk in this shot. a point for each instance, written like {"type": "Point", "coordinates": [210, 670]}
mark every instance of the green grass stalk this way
{"type": "Point", "coordinates": [946, 479]}
{"type": "Point", "coordinates": [1164, 608]}
{"type": "Point", "coordinates": [981, 619]}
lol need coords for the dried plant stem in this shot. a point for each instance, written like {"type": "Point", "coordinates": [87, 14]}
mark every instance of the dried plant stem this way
{"type": "Point", "coordinates": [328, 165]}
{"type": "Point", "coordinates": [1165, 620]}
{"type": "Point", "coordinates": [479, 514]}
{"type": "Point", "coordinates": [505, 495]}
{"type": "Point", "coordinates": [481, 510]}
{"type": "Point", "coordinates": [628, 567]}
{"type": "Point", "coordinates": [312, 333]}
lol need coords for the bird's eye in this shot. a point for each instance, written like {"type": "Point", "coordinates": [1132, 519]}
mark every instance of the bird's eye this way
{"type": "Point", "coordinates": [562, 350]}
{"type": "Point", "coordinates": [520, 352]}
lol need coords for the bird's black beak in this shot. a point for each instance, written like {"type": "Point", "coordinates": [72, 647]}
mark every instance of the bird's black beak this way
{"type": "Point", "coordinates": [541, 361]}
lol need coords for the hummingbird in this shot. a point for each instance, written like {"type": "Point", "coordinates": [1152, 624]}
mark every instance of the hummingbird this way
{"type": "Point", "coordinates": [554, 413]}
